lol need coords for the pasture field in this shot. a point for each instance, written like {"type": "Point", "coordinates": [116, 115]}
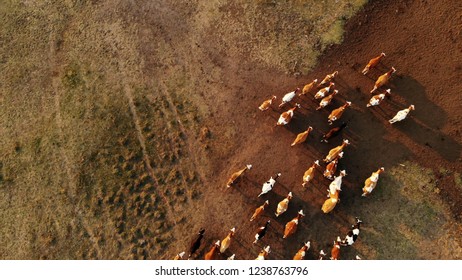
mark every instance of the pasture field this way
{"type": "Point", "coordinates": [121, 121]}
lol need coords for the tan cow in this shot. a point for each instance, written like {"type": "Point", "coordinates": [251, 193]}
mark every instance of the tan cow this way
{"type": "Point", "coordinates": [227, 240]}
{"type": "Point", "coordinates": [377, 99]}
{"type": "Point", "coordinates": [308, 87]}
{"type": "Point", "coordinates": [213, 252]}
{"type": "Point", "coordinates": [301, 137]}
{"type": "Point", "coordinates": [337, 113]}
{"type": "Point", "coordinates": [300, 255]}
{"type": "Point", "coordinates": [286, 117]}
{"type": "Point", "coordinates": [328, 78]}
{"type": "Point", "coordinates": [382, 80]}
{"type": "Point", "coordinates": [326, 100]}
{"type": "Point", "coordinates": [324, 91]}
{"type": "Point", "coordinates": [331, 168]}
{"type": "Point", "coordinates": [267, 103]}
{"type": "Point", "coordinates": [291, 226]}
{"type": "Point", "coordinates": [331, 202]}
{"type": "Point", "coordinates": [335, 252]}
{"type": "Point", "coordinates": [372, 63]}
{"type": "Point", "coordinates": [283, 205]}
{"type": "Point", "coordinates": [236, 175]}
{"type": "Point", "coordinates": [335, 152]}
{"type": "Point", "coordinates": [259, 210]}
{"type": "Point", "coordinates": [309, 174]}
{"type": "Point", "coordinates": [371, 182]}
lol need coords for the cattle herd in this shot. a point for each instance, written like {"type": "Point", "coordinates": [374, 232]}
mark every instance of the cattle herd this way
{"type": "Point", "coordinates": [325, 92]}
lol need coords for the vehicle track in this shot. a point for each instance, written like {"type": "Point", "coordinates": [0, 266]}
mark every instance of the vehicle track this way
{"type": "Point", "coordinates": [71, 174]}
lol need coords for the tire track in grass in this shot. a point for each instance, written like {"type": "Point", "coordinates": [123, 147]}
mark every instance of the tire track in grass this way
{"type": "Point", "coordinates": [142, 141]}
{"type": "Point", "coordinates": [170, 110]}
{"type": "Point", "coordinates": [181, 170]}
{"type": "Point", "coordinates": [176, 115]}
{"type": "Point", "coordinates": [131, 72]}
{"type": "Point", "coordinates": [128, 60]}
{"type": "Point", "coordinates": [71, 175]}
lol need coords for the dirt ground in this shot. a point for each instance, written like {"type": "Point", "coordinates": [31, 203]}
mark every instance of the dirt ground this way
{"type": "Point", "coordinates": [431, 137]}
{"type": "Point", "coordinates": [145, 111]}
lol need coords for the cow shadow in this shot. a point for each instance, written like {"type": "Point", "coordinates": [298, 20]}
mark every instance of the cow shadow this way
{"type": "Point", "coordinates": [424, 124]}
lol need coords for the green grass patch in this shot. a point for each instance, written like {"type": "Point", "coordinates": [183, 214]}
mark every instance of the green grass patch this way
{"type": "Point", "coordinates": [403, 212]}
{"type": "Point", "coordinates": [334, 34]}
{"type": "Point", "coordinates": [458, 180]}
{"type": "Point", "coordinates": [72, 77]}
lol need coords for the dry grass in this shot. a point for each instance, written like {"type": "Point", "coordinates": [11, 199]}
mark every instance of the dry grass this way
{"type": "Point", "coordinates": [415, 225]}
{"type": "Point", "coordinates": [458, 180]}
{"type": "Point", "coordinates": [292, 44]}
{"type": "Point", "coordinates": [74, 179]}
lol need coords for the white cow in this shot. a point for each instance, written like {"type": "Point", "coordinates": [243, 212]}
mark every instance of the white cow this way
{"type": "Point", "coordinates": [288, 97]}
{"type": "Point", "coordinates": [268, 186]}
{"type": "Point", "coordinates": [336, 185]}
{"type": "Point", "coordinates": [401, 115]}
